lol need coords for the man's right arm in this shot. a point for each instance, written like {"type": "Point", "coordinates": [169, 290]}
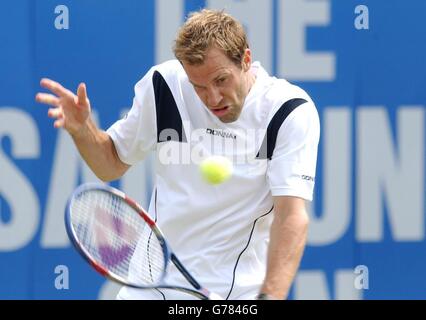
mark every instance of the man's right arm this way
{"type": "Point", "coordinates": [73, 113]}
{"type": "Point", "coordinates": [98, 151]}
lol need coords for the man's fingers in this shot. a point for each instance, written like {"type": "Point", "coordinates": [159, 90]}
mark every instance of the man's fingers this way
{"type": "Point", "coordinates": [82, 94]}
{"type": "Point", "coordinates": [47, 98]}
{"type": "Point", "coordinates": [55, 87]}
{"type": "Point", "coordinates": [59, 123]}
{"type": "Point", "coordinates": [55, 113]}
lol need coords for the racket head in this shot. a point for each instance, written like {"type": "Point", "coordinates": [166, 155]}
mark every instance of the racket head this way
{"type": "Point", "coordinates": [107, 228]}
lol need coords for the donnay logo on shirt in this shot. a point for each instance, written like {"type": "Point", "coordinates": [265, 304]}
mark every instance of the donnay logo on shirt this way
{"type": "Point", "coordinates": [221, 133]}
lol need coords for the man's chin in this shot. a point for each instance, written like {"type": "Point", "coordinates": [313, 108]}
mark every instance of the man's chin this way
{"type": "Point", "coordinates": [228, 118]}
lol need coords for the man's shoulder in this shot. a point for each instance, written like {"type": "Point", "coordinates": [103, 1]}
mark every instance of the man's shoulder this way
{"type": "Point", "coordinates": [278, 93]}
{"type": "Point", "coordinates": [281, 97]}
{"type": "Point", "coordinates": [169, 66]}
{"type": "Point", "coordinates": [170, 71]}
{"type": "Point", "coordinates": [284, 90]}
{"type": "Point", "coordinates": [276, 90]}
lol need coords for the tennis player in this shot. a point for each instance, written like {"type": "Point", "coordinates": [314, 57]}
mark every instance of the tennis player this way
{"type": "Point", "coordinates": [242, 239]}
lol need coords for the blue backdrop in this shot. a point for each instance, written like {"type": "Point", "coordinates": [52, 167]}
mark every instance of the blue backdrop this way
{"type": "Point", "coordinates": [363, 65]}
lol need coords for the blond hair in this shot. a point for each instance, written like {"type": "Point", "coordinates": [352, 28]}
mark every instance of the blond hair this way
{"type": "Point", "coordinates": [206, 29]}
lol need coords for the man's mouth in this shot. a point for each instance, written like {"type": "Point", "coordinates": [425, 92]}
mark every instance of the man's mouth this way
{"type": "Point", "coordinates": [219, 112]}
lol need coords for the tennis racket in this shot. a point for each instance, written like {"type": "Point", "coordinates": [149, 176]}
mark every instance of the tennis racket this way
{"type": "Point", "coordinates": [119, 239]}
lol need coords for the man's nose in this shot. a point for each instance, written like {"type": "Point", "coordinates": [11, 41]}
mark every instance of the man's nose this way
{"type": "Point", "coordinates": [214, 97]}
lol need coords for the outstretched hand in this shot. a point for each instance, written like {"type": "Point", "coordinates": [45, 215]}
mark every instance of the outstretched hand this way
{"type": "Point", "coordinates": [70, 111]}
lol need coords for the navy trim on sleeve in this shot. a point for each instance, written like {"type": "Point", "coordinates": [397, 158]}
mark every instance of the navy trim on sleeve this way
{"type": "Point", "coordinates": [169, 121]}
{"type": "Point", "coordinates": [268, 145]}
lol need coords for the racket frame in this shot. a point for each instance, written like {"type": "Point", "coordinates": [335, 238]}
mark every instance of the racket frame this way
{"type": "Point", "coordinates": [199, 291]}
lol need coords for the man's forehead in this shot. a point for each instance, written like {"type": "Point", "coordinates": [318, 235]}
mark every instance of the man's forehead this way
{"type": "Point", "coordinates": [200, 74]}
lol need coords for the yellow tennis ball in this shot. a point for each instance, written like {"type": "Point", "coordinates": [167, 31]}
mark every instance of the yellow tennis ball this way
{"type": "Point", "coordinates": [216, 169]}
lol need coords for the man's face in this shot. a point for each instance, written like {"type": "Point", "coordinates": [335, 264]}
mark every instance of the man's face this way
{"type": "Point", "coordinates": [221, 84]}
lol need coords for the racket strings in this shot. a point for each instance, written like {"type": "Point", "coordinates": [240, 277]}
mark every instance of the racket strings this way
{"type": "Point", "coordinates": [114, 235]}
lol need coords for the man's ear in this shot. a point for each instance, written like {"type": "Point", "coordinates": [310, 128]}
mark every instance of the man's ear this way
{"type": "Point", "coordinates": [246, 63]}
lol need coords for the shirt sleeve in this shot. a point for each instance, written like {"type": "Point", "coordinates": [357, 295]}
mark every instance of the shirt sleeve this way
{"type": "Point", "coordinates": [135, 135]}
{"type": "Point", "coordinates": [291, 170]}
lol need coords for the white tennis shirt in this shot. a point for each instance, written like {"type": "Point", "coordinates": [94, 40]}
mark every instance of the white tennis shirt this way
{"type": "Point", "coordinates": [220, 233]}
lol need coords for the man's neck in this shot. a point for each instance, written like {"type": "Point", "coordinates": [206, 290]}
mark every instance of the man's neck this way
{"type": "Point", "coordinates": [251, 79]}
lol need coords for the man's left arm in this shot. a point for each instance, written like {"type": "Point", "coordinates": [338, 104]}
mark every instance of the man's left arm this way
{"type": "Point", "coordinates": [287, 242]}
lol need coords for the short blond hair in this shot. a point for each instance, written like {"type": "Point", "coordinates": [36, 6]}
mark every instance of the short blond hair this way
{"type": "Point", "coordinates": [206, 29]}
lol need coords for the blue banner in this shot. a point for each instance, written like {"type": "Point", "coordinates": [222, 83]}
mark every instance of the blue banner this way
{"type": "Point", "coordinates": [362, 63]}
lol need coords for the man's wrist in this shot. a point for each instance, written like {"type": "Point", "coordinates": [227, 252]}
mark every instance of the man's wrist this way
{"type": "Point", "coordinates": [82, 132]}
